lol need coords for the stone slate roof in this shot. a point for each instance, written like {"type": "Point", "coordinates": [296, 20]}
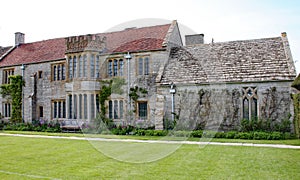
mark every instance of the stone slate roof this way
{"type": "Point", "coordinates": [135, 39]}
{"type": "Point", "coordinates": [3, 50]}
{"type": "Point", "coordinates": [266, 59]}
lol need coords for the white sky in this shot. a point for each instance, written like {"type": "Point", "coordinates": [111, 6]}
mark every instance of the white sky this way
{"type": "Point", "coordinates": [223, 20]}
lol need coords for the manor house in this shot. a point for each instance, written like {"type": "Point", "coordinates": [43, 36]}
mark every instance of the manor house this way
{"type": "Point", "coordinates": [154, 78]}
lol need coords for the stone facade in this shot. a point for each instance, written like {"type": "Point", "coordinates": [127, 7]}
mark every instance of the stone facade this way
{"type": "Point", "coordinates": [217, 85]}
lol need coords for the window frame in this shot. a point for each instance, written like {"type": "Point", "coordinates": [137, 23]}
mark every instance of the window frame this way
{"type": "Point", "coordinates": [143, 65]}
{"type": "Point", "coordinates": [249, 94]}
{"type": "Point", "coordinates": [58, 71]}
{"type": "Point", "coordinates": [115, 67]}
{"type": "Point", "coordinates": [6, 73]}
{"type": "Point", "coordinates": [145, 117]}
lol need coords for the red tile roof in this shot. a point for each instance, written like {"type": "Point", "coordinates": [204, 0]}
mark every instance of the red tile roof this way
{"type": "Point", "coordinates": [136, 39]}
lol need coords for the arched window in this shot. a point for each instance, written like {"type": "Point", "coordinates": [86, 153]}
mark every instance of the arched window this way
{"type": "Point", "coordinates": [250, 103]}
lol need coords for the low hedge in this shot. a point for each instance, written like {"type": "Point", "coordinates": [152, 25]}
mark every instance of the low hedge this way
{"type": "Point", "coordinates": [256, 135]}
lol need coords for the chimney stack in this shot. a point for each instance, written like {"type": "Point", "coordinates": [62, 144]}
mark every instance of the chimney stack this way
{"type": "Point", "coordinates": [194, 39]}
{"type": "Point", "coordinates": [19, 38]}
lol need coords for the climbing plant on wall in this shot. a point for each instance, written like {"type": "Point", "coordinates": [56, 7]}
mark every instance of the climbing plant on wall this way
{"type": "Point", "coordinates": [14, 90]}
{"type": "Point", "coordinates": [296, 99]}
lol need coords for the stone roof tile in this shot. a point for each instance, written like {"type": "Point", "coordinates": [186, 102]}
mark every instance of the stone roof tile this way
{"type": "Point", "coordinates": [237, 61]}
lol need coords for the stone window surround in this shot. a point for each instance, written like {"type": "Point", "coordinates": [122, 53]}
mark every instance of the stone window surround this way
{"type": "Point", "coordinates": [83, 107]}
{"type": "Point", "coordinates": [145, 69]}
{"type": "Point", "coordinates": [115, 66]}
{"type": "Point", "coordinates": [58, 71]}
{"type": "Point", "coordinates": [138, 110]}
{"type": "Point", "coordinates": [83, 65]}
{"type": "Point", "coordinates": [59, 113]}
{"type": "Point", "coordinates": [245, 95]}
{"type": "Point", "coordinates": [6, 109]}
{"type": "Point", "coordinates": [6, 73]}
{"type": "Point", "coordinates": [119, 107]}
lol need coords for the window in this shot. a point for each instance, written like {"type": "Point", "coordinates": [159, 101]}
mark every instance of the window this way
{"type": "Point", "coordinates": [110, 111]}
{"type": "Point", "coordinates": [70, 67]}
{"type": "Point", "coordinates": [80, 66]}
{"type": "Point", "coordinates": [70, 106]}
{"type": "Point", "coordinates": [121, 63]}
{"type": "Point", "coordinates": [115, 109]}
{"type": "Point", "coordinates": [92, 65]}
{"type": "Point", "coordinates": [40, 74]}
{"type": "Point", "coordinates": [143, 66]}
{"type": "Point", "coordinates": [84, 65]}
{"type": "Point", "coordinates": [58, 72]}
{"type": "Point", "coordinates": [80, 106]}
{"type": "Point", "coordinates": [109, 68]}
{"type": "Point", "coordinates": [41, 110]}
{"type": "Point", "coordinates": [75, 66]}
{"type": "Point", "coordinates": [59, 109]}
{"type": "Point", "coordinates": [142, 110]}
{"type": "Point", "coordinates": [250, 104]}
{"type": "Point", "coordinates": [85, 106]}
{"type": "Point", "coordinates": [6, 109]}
{"type": "Point", "coordinates": [75, 106]}
{"type": "Point", "coordinates": [97, 68]}
{"type": "Point", "coordinates": [6, 74]}
{"type": "Point", "coordinates": [115, 67]}
{"type": "Point", "coordinates": [92, 106]}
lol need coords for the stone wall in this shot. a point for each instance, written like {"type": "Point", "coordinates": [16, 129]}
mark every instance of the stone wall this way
{"type": "Point", "coordinates": [219, 106]}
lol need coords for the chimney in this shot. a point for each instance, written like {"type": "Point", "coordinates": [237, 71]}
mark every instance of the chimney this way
{"type": "Point", "coordinates": [19, 38]}
{"type": "Point", "coordinates": [194, 39]}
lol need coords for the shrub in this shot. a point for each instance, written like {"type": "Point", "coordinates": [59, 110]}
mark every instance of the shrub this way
{"type": "Point", "coordinates": [197, 133]}
{"type": "Point", "coordinates": [231, 134]}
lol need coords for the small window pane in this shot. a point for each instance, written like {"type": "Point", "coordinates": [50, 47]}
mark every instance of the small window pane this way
{"type": "Point", "coordinates": [121, 109]}
{"type": "Point", "coordinates": [54, 73]}
{"type": "Point", "coordinates": [80, 66]}
{"type": "Point", "coordinates": [84, 66]}
{"type": "Point", "coordinates": [140, 66]}
{"type": "Point", "coordinates": [75, 66]}
{"type": "Point", "coordinates": [143, 110]}
{"type": "Point", "coordinates": [110, 111]}
{"type": "Point", "coordinates": [116, 108]}
{"type": "Point", "coordinates": [115, 67]}
{"type": "Point", "coordinates": [63, 72]}
{"type": "Point", "coordinates": [70, 68]}
{"type": "Point", "coordinates": [110, 68]}
{"type": "Point", "coordinates": [55, 110]}
{"type": "Point", "coordinates": [146, 64]}
{"type": "Point", "coordinates": [254, 108]}
{"type": "Point", "coordinates": [245, 108]}
{"type": "Point", "coordinates": [97, 73]}
{"type": "Point", "coordinates": [92, 65]}
{"type": "Point", "coordinates": [92, 106]}
{"type": "Point", "coordinates": [121, 62]}
{"type": "Point", "coordinates": [80, 106]}
{"type": "Point", "coordinates": [85, 106]}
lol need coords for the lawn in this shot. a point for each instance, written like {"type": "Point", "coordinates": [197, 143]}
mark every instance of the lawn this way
{"type": "Point", "coordinates": [38, 158]}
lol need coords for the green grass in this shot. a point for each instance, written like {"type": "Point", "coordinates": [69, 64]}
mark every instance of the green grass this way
{"type": "Point", "coordinates": [29, 158]}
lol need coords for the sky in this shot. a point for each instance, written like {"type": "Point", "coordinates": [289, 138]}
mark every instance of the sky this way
{"type": "Point", "coordinates": [222, 20]}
